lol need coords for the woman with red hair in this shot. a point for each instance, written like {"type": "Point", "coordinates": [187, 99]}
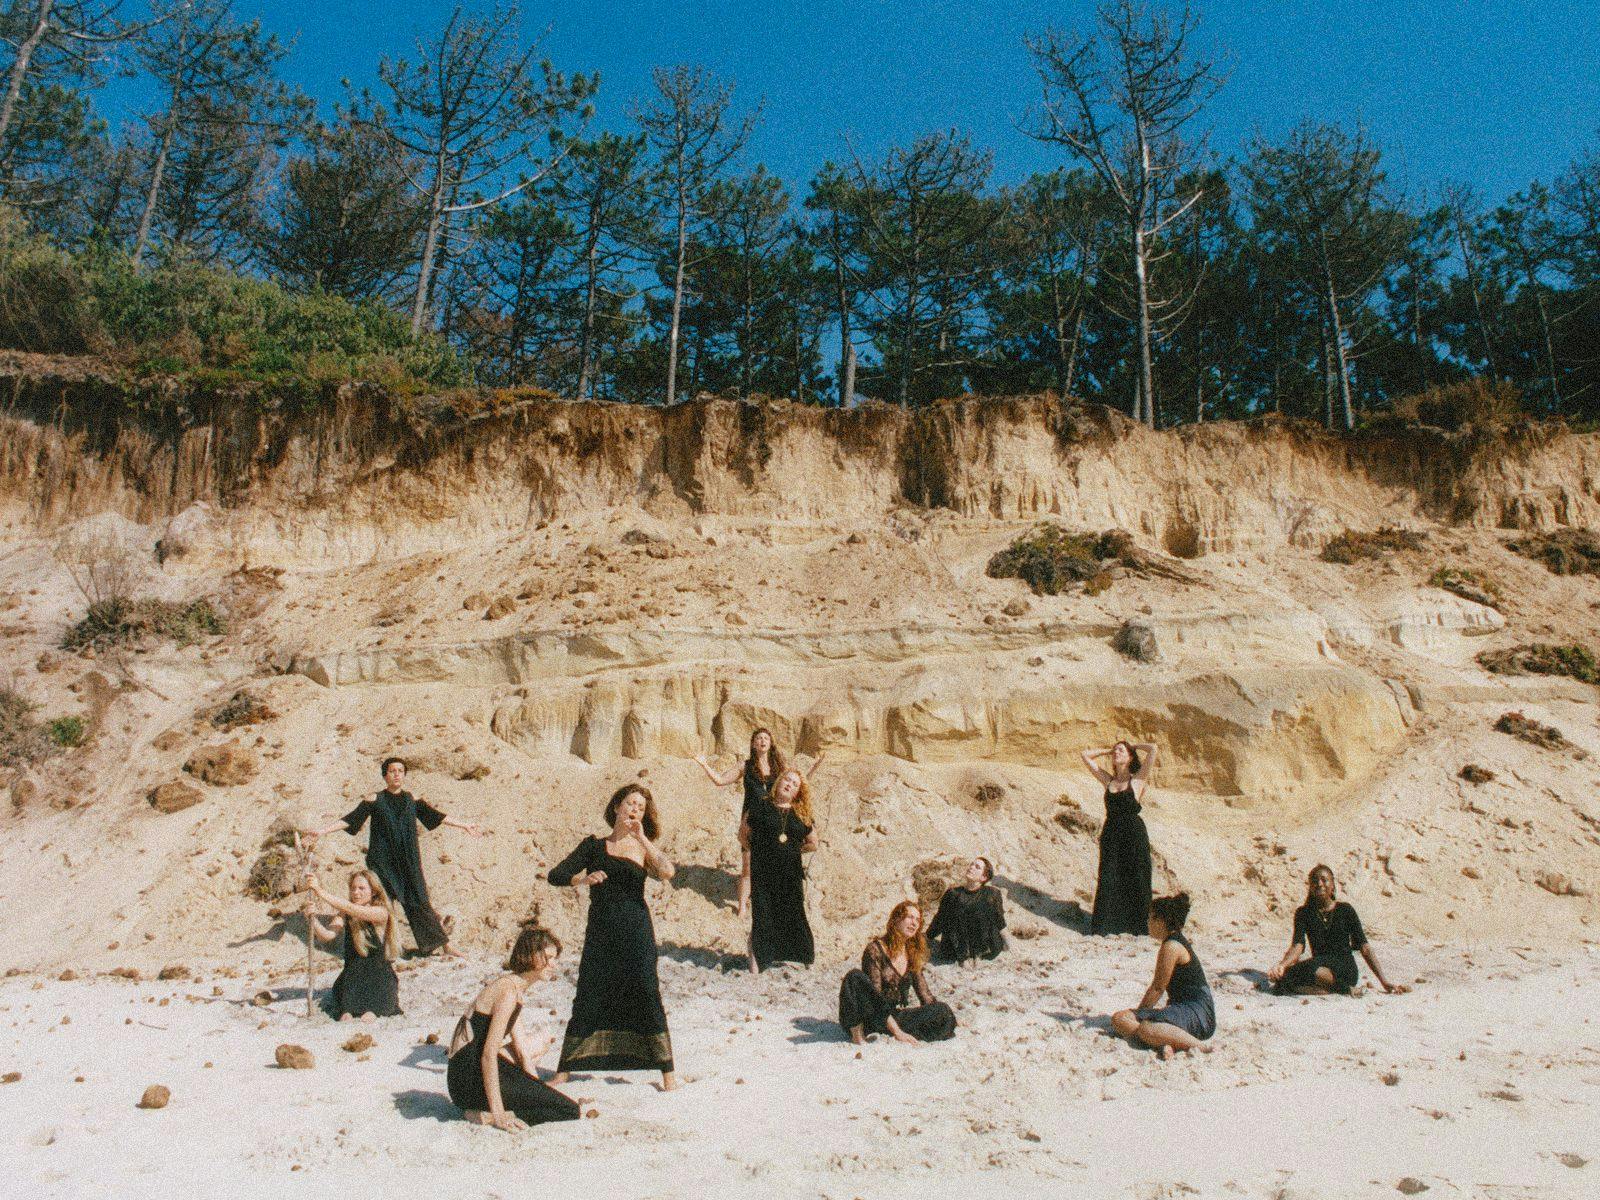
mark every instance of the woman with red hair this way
{"type": "Point", "coordinates": [875, 998]}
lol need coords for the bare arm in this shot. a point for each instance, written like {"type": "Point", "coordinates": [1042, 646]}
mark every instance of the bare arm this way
{"type": "Point", "coordinates": [720, 780]}
{"type": "Point", "coordinates": [1089, 757]}
{"type": "Point", "coordinates": [372, 914]}
{"type": "Point", "coordinates": [1368, 953]}
{"type": "Point", "coordinates": [816, 762]}
{"type": "Point", "coordinates": [526, 1052]}
{"type": "Point", "coordinates": [656, 864]}
{"type": "Point", "coordinates": [466, 826]}
{"type": "Point", "coordinates": [489, 1059]}
{"type": "Point", "coordinates": [1290, 957]}
{"type": "Point", "coordinates": [324, 933]}
{"type": "Point", "coordinates": [1166, 960]}
{"type": "Point", "coordinates": [1147, 760]}
{"type": "Point", "coordinates": [809, 846]}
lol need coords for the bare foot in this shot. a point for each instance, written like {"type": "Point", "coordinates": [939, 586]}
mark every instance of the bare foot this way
{"type": "Point", "coordinates": [561, 1077]}
{"type": "Point", "coordinates": [367, 1016]}
{"type": "Point", "coordinates": [668, 1081]}
{"type": "Point", "coordinates": [476, 1116]}
{"type": "Point", "coordinates": [344, 1016]}
{"type": "Point", "coordinates": [1167, 1053]}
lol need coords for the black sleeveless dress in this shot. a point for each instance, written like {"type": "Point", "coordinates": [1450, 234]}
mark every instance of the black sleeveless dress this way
{"type": "Point", "coordinates": [1122, 892]}
{"type": "Point", "coordinates": [756, 788]}
{"type": "Point", "coordinates": [1189, 1003]}
{"type": "Point", "coordinates": [618, 1021]}
{"type": "Point", "coordinates": [367, 984]}
{"type": "Point", "coordinates": [531, 1099]}
{"type": "Point", "coordinates": [779, 930]}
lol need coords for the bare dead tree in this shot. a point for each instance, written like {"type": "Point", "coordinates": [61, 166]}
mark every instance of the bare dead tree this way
{"type": "Point", "coordinates": [1118, 96]}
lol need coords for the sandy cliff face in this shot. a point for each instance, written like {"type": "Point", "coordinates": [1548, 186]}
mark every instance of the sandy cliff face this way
{"type": "Point", "coordinates": [539, 602]}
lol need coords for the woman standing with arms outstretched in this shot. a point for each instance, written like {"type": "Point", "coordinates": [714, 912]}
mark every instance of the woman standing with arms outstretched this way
{"type": "Point", "coordinates": [1122, 891]}
{"type": "Point", "coordinates": [618, 1021]}
{"type": "Point", "coordinates": [776, 834]}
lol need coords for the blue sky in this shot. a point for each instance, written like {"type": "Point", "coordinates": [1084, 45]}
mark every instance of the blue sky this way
{"type": "Point", "coordinates": [1493, 92]}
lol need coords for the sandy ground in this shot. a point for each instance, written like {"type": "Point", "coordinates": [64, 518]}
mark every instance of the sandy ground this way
{"type": "Point", "coordinates": [1483, 1082]}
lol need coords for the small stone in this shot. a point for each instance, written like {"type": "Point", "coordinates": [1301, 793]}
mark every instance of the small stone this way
{"type": "Point", "coordinates": [67, 976]}
{"type": "Point", "coordinates": [261, 999]}
{"type": "Point", "coordinates": [592, 1113]}
{"type": "Point", "coordinates": [155, 1096]}
{"type": "Point", "coordinates": [1390, 1079]}
{"type": "Point", "coordinates": [431, 1040]}
{"type": "Point", "coordinates": [1410, 1186]}
{"type": "Point", "coordinates": [1572, 1160]}
{"type": "Point", "coordinates": [10, 1077]}
{"type": "Point", "coordinates": [1016, 608]}
{"type": "Point", "coordinates": [294, 1058]}
{"type": "Point", "coordinates": [173, 971]}
{"type": "Point", "coordinates": [227, 764]}
{"type": "Point", "coordinates": [360, 1042]}
{"type": "Point", "coordinates": [173, 797]}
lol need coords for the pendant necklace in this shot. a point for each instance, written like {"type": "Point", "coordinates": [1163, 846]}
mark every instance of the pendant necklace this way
{"type": "Point", "coordinates": [783, 834]}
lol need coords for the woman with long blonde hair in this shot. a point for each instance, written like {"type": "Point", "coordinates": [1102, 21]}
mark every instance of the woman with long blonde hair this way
{"type": "Point", "coordinates": [368, 986]}
{"type": "Point", "coordinates": [874, 999]}
{"type": "Point", "coordinates": [777, 831]}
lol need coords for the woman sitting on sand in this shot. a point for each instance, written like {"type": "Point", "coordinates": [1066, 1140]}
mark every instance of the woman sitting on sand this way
{"type": "Point", "coordinates": [367, 987]}
{"type": "Point", "coordinates": [1330, 929]}
{"type": "Point", "coordinates": [1189, 1017]}
{"type": "Point", "coordinates": [874, 998]}
{"type": "Point", "coordinates": [971, 919]}
{"type": "Point", "coordinates": [493, 1073]}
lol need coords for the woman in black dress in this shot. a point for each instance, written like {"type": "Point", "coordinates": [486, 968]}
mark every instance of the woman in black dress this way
{"type": "Point", "coordinates": [874, 999]}
{"type": "Point", "coordinates": [1122, 891]}
{"type": "Point", "coordinates": [971, 919]}
{"type": "Point", "coordinates": [618, 1022]}
{"type": "Point", "coordinates": [776, 833]}
{"type": "Point", "coordinates": [758, 775]}
{"type": "Point", "coordinates": [1330, 929]}
{"type": "Point", "coordinates": [493, 1075]}
{"type": "Point", "coordinates": [368, 986]}
{"type": "Point", "coordinates": [1189, 1016]}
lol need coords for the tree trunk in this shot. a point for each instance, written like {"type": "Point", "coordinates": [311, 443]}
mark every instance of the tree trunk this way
{"type": "Point", "coordinates": [157, 172]}
{"type": "Point", "coordinates": [590, 290]}
{"type": "Point", "coordinates": [677, 288]}
{"type": "Point", "coordinates": [847, 372]}
{"type": "Point", "coordinates": [1072, 355]}
{"type": "Point", "coordinates": [1147, 396]}
{"type": "Point", "coordinates": [430, 250]}
{"type": "Point", "coordinates": [19, 67]}
{"type": "Point", "coordinates": [1469, 264]}
{"type": "Point", "coordinates": [1346, 413]}
{"type": "Point", "coordinates": [1549, 345]}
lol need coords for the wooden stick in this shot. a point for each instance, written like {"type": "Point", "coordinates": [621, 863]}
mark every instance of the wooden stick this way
{"type": "Point", "coordinates": [306, 862]}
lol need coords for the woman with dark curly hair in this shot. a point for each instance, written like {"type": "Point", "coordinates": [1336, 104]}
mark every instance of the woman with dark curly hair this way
{"type": "Point", "coordinates": [618, 1021]}
{"type": "Point", "coordinates": [1190, 1015]}
{"type": "Point", "coordinates": [1330, 929]}
{"type": "Point", "coordinates": [971, 920]}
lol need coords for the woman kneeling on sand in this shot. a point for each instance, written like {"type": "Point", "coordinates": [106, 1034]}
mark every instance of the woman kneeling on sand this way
{"type": "Point", "coordinates": [1189, 1017]}
{"type": "Point", "coordinates": [1331, 931]}
{"type": "Point", "coordinates": [368, 986]}
{"type": "Point", "coordinates": [493, 1074]}
{"type": "Point", "coordinates": [874, 998]}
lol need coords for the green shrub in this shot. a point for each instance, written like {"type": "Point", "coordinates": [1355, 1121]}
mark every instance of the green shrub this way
{"type": "Point", "coordinates": [22, 739]}
{"type": "Point", "coordinates": [67, 732]}
{"type": "Point", "coordinates": [1564, 552]}
{"type": "Point", "coordinates": [43, 294]}
{"type": "Point", "coordinates": [120, 622]}
{"type": "Point", "coordinates": [1471, 403]}
{"type": "Point", "coordinates": [1050, 560]}
{"type": "Point", "coordinates": [1468, 584]}
{"type": "Point", "coordinates": [1541, 658]}
{"type": "Point", "coordinates": [1353, 546]}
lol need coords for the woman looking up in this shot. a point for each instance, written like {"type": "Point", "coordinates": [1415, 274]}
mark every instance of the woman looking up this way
{"type": "Point", "coordinates": [1122, 889]}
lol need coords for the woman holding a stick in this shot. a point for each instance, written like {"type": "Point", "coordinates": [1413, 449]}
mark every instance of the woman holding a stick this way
{"type": "Point", "coordinates": [368, 986]}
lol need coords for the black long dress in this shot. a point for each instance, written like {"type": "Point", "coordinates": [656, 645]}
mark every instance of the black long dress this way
{"type": "Point", "coordinates": [1122, 892]}
{"type": "Point", "coordinates": [531, 1099]}
{"type": "Point", "coordinates": [756, 786]}
{"type": "Point", "coordinates": [876, 991]}
{"type": "Point", "coordinates": [1333, 938]}
{"type": "Point", "coordinates": [618, 1021]}
{"type": "Point", "coordinates": [368, 983]}
{"type": "Point", "coordinates": [779, 930]}
{"type": "Point", "coordinates": [394, 857]}
{"type": "Point", "coordinates": [970, 923]}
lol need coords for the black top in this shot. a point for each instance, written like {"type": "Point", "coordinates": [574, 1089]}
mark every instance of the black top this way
{"type": "Point", "coordinates": [756, 786]}
{"type": "Point", "coordinates": [969, 923]}
{"type": "Point", "coordinates": [1188, 980]}
{"type": "Point", "coordinates": [1329, 933]}
{"type": "Point", "coordinates": [889, 983]}
{"type": "Point", "coordinates": [392, 846]}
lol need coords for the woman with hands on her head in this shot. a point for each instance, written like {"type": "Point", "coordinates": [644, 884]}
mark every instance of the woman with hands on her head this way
{"type": "Point", "coordinates": [618, 1021]}
{"type": "Point", "coordinates": [1123, 887]}
{"type": "Point", "coordinates": [498, 1084]}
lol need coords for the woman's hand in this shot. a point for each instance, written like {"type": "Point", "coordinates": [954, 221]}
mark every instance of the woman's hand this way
{"type": "Point", "coordinates": [589, 880]}
{"type": "Point", "coordinates": [1275, 974]}
{"type": "Point", "coordinates": [1396, 989]}
{"type": "Point", "coordinates": [508, 1121]}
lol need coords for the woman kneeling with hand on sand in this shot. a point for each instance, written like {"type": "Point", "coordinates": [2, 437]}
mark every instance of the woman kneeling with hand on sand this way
{"type": "Point", "coordinates": [1190, 1017]}
{"type": "Point", "coordinates": [493, 1074]}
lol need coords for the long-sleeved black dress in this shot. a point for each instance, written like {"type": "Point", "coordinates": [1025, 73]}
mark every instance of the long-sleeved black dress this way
{"type": "Point", "coordinates": [394, 857]}
{"type": "Point", "coordinates": [876, 991]}
{"type": "Point", "coordinates": [618, 1021]}
{"type": "Point", "coordinates": [970, 923]}
{"type": "Point", "coordinates": [529, 1098]}
{"type": "Point", "coordinates": [368, 983]}
{"type": "Point", "coordinates": [779, 930]}
{"type": "Point", "coordinates": [1122, 892]}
